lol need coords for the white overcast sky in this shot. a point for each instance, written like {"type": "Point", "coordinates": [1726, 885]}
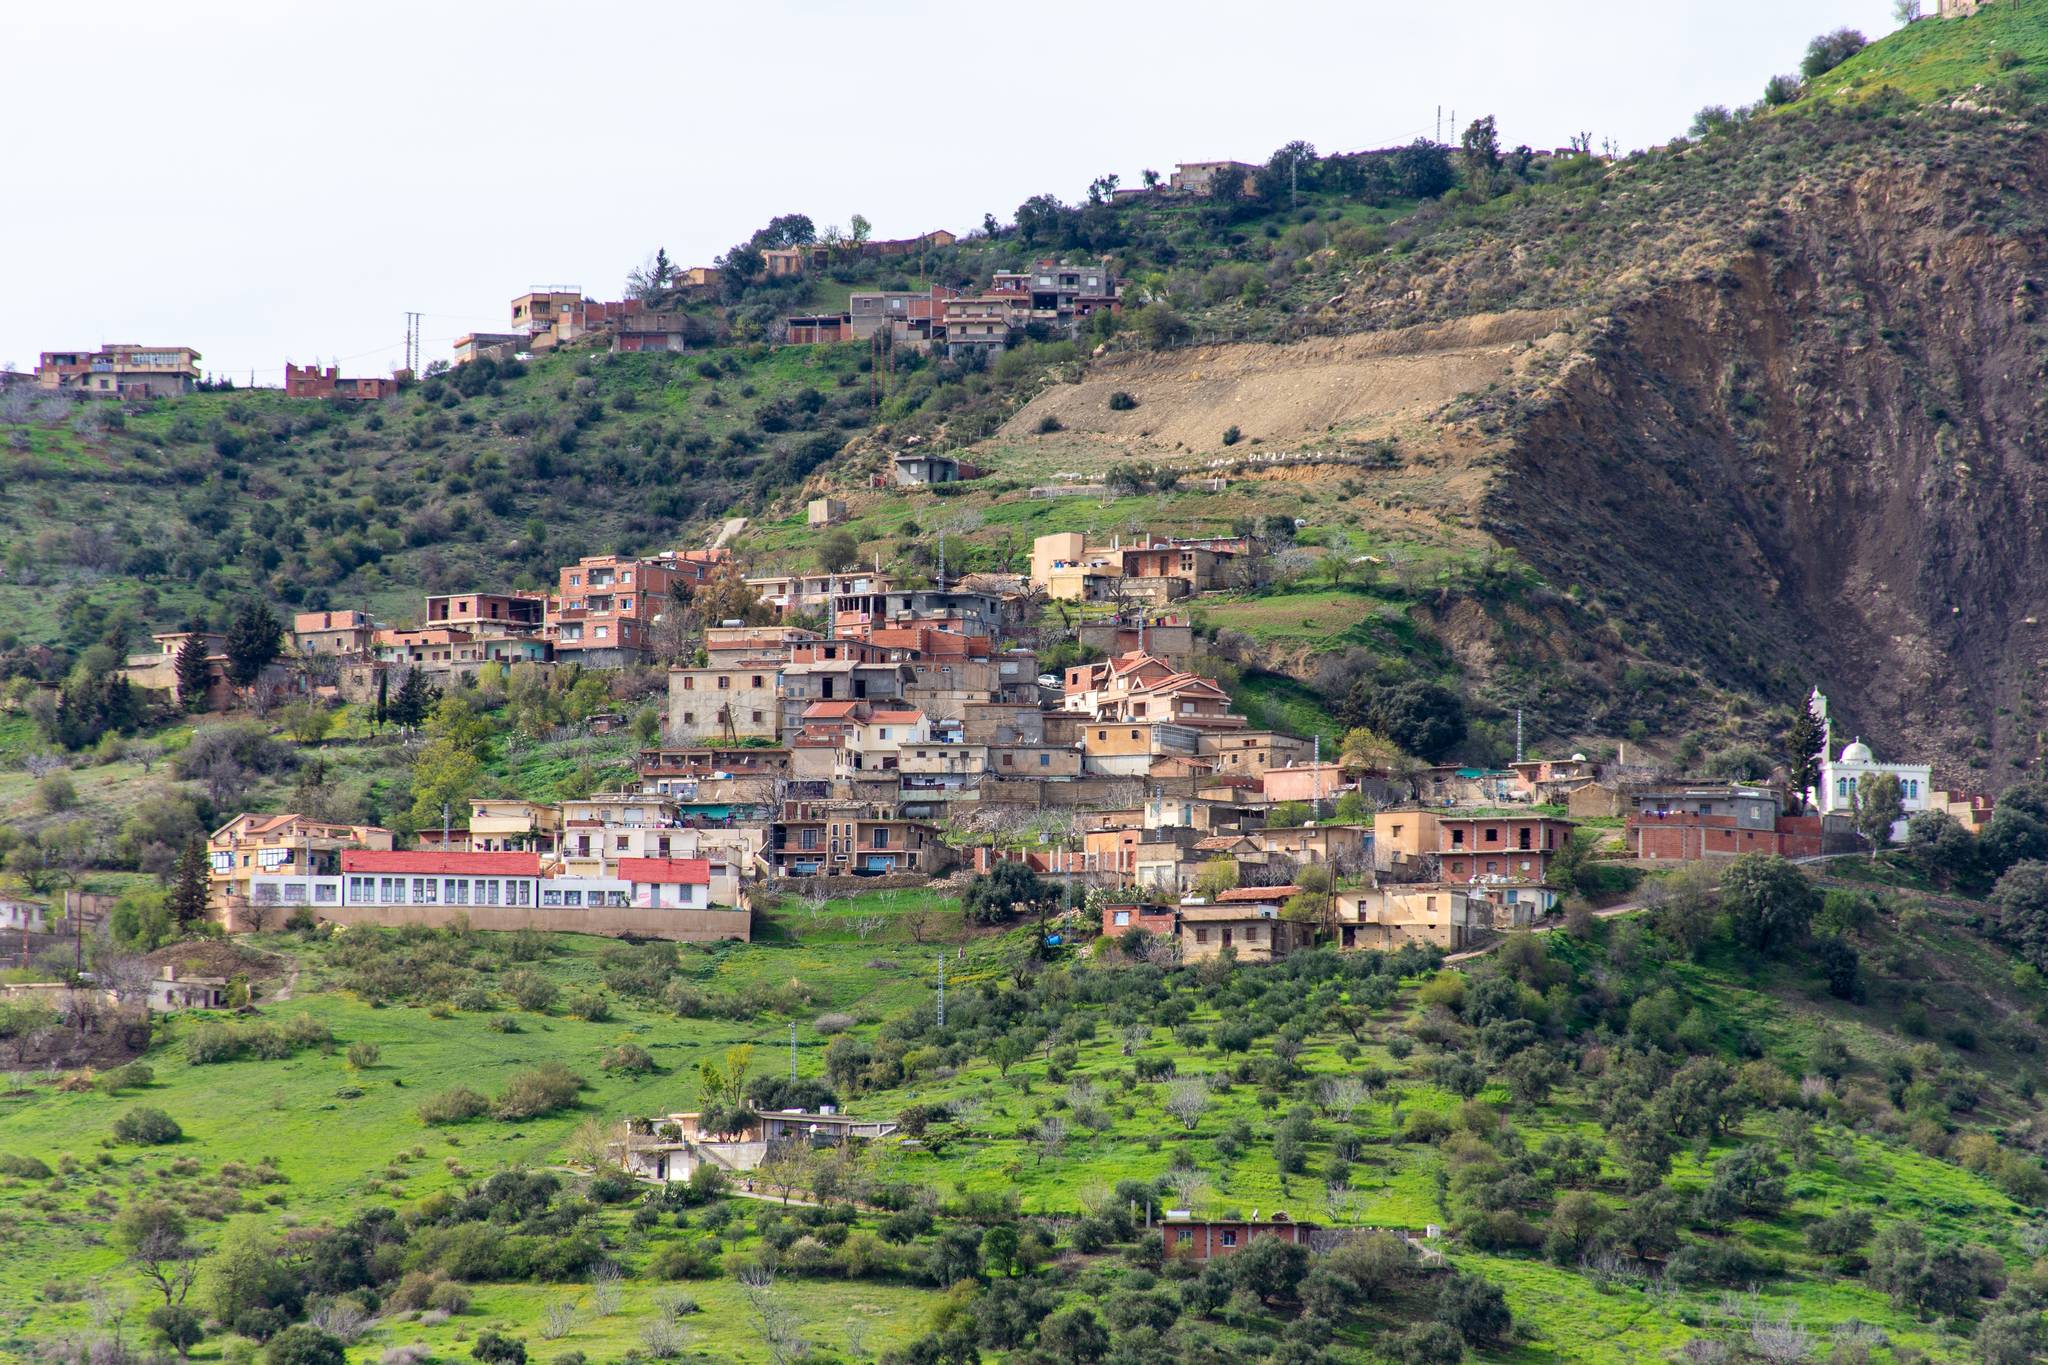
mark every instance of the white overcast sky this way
{"type": "Point", "coordinates": [265, 181]}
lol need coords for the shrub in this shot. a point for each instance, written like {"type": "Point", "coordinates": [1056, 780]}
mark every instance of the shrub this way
{"type": "Point", "coordinates": [363, 1056]}
{"type": "Point", "coordinates": [541, 1090]}
{"type": "Point", "coordinates": [453, 1106]}
{"type": "Point", "coordinates": [213, 1043]}
{"type": "Point", "coordinates": [448, 1298]}
{"type": "Point", "coordinates": [530, 991]}
{"type": "Point", "coordinates": [147, 1127]}
{"type": "Point", "coordinates": [25, 1167]}
{"type": "Point", "coordinates": [304, 1344]}
{"type": "Point", "coordinates": [628, 1059]}
{"type": "Point", "coordinates": [1231, 436]}
{"type": "Point", "coordinates": [1121, 402]}
{"type": "Point", "coordinates": [829, 1024]}
{"type": "Point", "coordinates": [590, 1006]}
{"type": "Point", "coordinates": [1049, 424]}
{"type": "Point", "coordinates": [495, 1348]}
{"type": "Point", "coordinates": [694, 1259]}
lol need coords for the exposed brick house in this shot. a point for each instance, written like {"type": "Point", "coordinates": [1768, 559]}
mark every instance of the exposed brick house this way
{"type": "Point", "coordinates": [1204, 1239]}
{"type": "Point", "coordinates": [1118, 920]}
{"type": "Point", "coordinates": [1716, 820]}
{"type": "Point", "coordinates": [310, 381]}
{"type": "Point", "coordinates": [1499, 846]}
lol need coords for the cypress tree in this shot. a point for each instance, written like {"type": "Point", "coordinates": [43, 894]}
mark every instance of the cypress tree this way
{"type": "Point", "coordinates": [190, 665]}
{"type": "Point", "coordinates": [188, 885]}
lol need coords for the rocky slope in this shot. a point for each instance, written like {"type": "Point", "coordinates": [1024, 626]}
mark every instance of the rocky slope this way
{"type": "Point", "coordinates": [1821, 458]}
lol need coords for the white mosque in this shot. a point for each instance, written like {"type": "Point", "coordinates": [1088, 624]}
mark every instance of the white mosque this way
{"type": "Point", "coordinates": [1840, 774]}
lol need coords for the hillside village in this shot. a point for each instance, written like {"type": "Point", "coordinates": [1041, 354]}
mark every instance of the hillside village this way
{"type": "Point", "coordinates": [801, 785]}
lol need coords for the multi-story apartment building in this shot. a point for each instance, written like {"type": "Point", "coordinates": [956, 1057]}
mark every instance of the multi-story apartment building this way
{"type": "Point", "coordinates": [290, 846]}
{"type": "Point", "coordinates": [121, 370]}
{"type": "Point", "coordinates": [489, 613]}
{"type": "Point", "coordinates": [604, 607]}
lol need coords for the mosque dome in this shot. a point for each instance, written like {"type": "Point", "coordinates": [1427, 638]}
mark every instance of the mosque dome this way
{"type": "Point", "coordinates": [1858, 752]}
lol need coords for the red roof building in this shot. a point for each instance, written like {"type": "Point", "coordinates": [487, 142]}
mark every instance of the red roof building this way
{"type": "Point", "coordinates": [666, 871]}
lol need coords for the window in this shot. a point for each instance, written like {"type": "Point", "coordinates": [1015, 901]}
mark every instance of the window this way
{"type": "Point", "coordinates": [1183, 1236]}
{"type": "Point", "coordinates": [1457, 837]}
{"type": "Point", "coordinates": [1045, 760]}
{"type": "Point", "coordinates": [724, 682]}
{"type": "Point", "coordinates": [1201, 935]}
{"type": "Point", "coordinates": [602, 632]}
{"type": "Point", "coordinates": [757, 680]}
{"type": "Point", "coordinates": [1492, 835]}
{"type": "Point", "coordinates": [881, 839]}
{"type": "Point", "coordinates": [1230, 1239]}
{"type": "Point", "coordinates": [1122, 917]}
{"type": "Point", "coordinates": [222, 862]}
{"type": "Point", "coordinates": [270, 859]}
{"type": "Point", "coordinates": [689, 683]}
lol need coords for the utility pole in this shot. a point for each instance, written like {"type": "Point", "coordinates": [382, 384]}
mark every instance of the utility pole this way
{"type": "Point", "coordinates": [942, 561]}
{"type": "Point", "coordinates": [792, 1051]}
{"type": "Point", "coordinates": [1518, 734]}
{"type": "Point", "coordinates": [444, 826]}
{"type": "Point", "coordinates": [1294, 183]}
{"type": "Point", "coordinates": [1316, 762]}
{"type": "Point", "coordinates": [942, 988]}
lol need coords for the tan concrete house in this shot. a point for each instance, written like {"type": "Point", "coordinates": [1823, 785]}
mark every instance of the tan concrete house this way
{"type": "Point", "coordinates": [1389, 917]}
{"type": "Point", "coordinates": [726, 702]}
{"type": "Point", "coordinates": [1255, 932]}
{"type": "Point", "coordinates": [505, 825]}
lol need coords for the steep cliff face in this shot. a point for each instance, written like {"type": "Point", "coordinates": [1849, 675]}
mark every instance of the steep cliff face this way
{"type": "Point", "coordinates": [1822, 460]}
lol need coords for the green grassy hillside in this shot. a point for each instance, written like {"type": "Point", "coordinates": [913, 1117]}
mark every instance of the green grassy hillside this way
{"type": "Point", "coordinates": [1527, 1103]}
{"type": "Point", "coordinates": [1997, 55]}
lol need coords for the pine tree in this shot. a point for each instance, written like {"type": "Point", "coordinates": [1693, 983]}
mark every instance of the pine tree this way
{"type": "Point", "coordinates": [190, 666]}
{"type": "Point", "coordinates": [252, 641]}
{"type": "Point", "coordinates": [383, 698]}
{"type": "Point", "coordinates": [415, 698]}
{"type": "Point", "coordinates": [188, 885]}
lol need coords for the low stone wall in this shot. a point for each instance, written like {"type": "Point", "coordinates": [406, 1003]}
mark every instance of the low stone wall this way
{"type": "Point", "coordinates": [617, 921]}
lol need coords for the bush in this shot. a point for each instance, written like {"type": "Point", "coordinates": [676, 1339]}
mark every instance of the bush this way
{"type": "Point", "coordinates": [1049, 424]}
{"type": "Point", "coordinates": [1830, 50]}
{"type": "Point", "coordinates": [530, 991]}
{"type": "Point", "coordinates": [495, 1348]}
{"type": "Point", "coordinates": [147, 1127]}
{"type": "Point", "coordinates": [695, 1259]}
{"type": "Point", "coordinates": [628, 1059]}
{"type": "Point", "coordinates": [544, 1089]}
{"type": "Point", "coordinates": [363, 1056]}
{"type": "Point", "coordinates": [454, 1106]}
{"type": "Point", "coordinates": [1231, 436]}
{"type": "Point", "coordinates": [591, 1006]}
{"type": "Point", "coordinates": [1121, 402]}
{"type": "Point", "coordinates": [304, 1344]}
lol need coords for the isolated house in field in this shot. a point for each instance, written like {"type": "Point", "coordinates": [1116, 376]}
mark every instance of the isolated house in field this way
{"type": "Point", "coordinates": [1188, 1238]}
{"type": "Point", "coordinates": [1199, 177]}
{"type": "Point", "coordinates": [672, 1147]}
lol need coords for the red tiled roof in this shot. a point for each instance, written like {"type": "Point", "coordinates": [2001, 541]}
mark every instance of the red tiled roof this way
{"type": "Point", "coordinates": [1258, 893]}
{"type": "Point", "coordinates": [679, 871]}
{"type": "Point", "coordinates": [830, 710]}
{"type": "Point", "coordinates": [442, 864]}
